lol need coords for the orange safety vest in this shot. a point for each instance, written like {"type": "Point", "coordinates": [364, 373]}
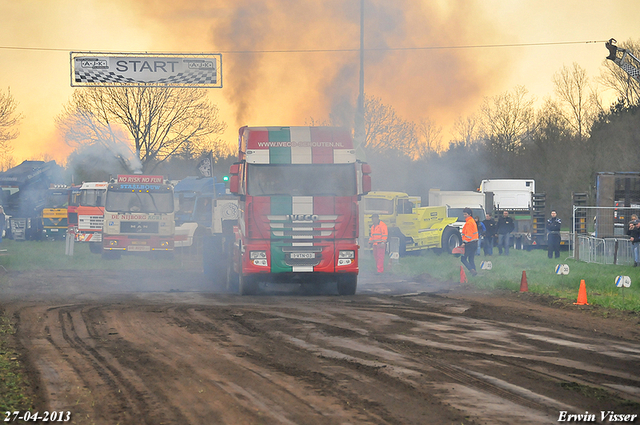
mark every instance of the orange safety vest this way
{"type": "Point", "coordinates": [378, 233]}
{"type": "Point", "coordinates": [470, 230]}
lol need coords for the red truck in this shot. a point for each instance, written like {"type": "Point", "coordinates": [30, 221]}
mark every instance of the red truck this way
{"type": "Point", "coordinates": [298, 191]}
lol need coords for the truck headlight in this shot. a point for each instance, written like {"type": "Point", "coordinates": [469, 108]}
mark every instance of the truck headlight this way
{"type": "Point", "coordinates": [345, 258]}
{"type": "Point", "coordinates": [113, 243]}
{"type": "Point", "coordinates": [258, 254]}
{"type": "Point", "coordinates": [347, 254]}
{"type": "Point", "coordinates": [258, 258]}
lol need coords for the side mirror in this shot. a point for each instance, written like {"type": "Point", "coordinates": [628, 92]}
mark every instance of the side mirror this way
{"type": "Point", "coordinates": [366, 178]}
{"type": "Point", "coordinates": [234, 179]}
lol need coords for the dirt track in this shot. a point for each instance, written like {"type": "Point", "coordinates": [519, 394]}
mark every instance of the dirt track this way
{"type": "Point", "coordinates": [163, 347]}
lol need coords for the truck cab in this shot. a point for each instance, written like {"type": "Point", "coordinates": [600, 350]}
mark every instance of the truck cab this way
{"type": "Point", "coordinates": [416, 227]}
{"type": "Point", "coordinates": [54, 213]}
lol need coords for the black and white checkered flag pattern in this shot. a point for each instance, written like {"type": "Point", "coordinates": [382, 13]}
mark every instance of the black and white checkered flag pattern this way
{"type": "Point", "coordinates": [96, 76]}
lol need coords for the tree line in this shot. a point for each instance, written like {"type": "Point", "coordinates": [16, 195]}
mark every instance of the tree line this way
{"type": "Point", "coordinates": [562, 144]}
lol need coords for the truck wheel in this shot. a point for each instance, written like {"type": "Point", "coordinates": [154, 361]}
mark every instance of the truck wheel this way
{"type": "Point", "coordinates": [248, 284]}
{"type": "Point", "coordinates": [95, 247]}
{"type": "Point", "coordinates": [197, 245]}
{"type": "Point", "coordinates": [394, 232]}
{"type": "Point", "coordinates": [213, 261]}
{"type": "Point", "coordinates": [347, 284]}
{"type": "Point", "coordinates": [450, 239]}
{"type": "Point", "coordinates": [232, 277]}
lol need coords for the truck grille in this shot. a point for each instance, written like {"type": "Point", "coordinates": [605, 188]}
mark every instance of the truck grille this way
{"type": "Point", "coordinates": [139, 227]}
{"type": "Point", "coordinates": [323, 226]}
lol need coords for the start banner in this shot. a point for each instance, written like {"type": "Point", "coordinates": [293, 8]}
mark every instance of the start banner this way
{"type": "Point", "coordinates": [126, 69]}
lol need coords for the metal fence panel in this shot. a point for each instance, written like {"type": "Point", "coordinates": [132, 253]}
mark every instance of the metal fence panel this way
{"type": "Point", "coordinates": [605, 240]}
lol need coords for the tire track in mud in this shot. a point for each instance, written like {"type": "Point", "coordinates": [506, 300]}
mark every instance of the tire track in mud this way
{"type": "Point", "coordinates": [103, 392]}
{"type": "Point", "coordinates": [519, 395]}
{"type": "Point", "coordinates": [189, 358]}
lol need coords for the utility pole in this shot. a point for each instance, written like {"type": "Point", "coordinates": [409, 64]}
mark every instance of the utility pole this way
{"type": "Point", "coordinates": [359, 133]}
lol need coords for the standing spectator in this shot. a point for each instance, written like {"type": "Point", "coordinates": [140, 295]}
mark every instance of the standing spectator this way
{"type": "Point", "coordinates": [489, 234]}
{"type": "Point", "coordinates": [553, 237]}
{"type": "Point", "coordinates": [481, 231]}
{"type": "Point", "coordinates": [469, 240]}
{"type": "Point", "coordinates": [505, 227]}
{"type": "Point", "coordinates": [378, 241]}
{"type": "Point", "coordinates": [634, 237]}
{"type": "Point", "coordinates": [3, 221]}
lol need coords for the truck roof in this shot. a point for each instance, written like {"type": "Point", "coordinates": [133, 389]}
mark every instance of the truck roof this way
{"type": "Point", "coordinates": [386, 194]}
{"type": "Point", "coordinates": [31, 171]}
{"type": "Point", "coordinates": [194, 184]}
{"type": "Point", "coordinates": [507, 184]}
{"type": "Point", "coordinates": [94, 185]}
{"type": "Point", "coordinates": [296, 145]}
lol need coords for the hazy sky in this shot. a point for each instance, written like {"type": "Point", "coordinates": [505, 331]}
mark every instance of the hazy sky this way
{"type": "Point", "coordinates": [36, 37]}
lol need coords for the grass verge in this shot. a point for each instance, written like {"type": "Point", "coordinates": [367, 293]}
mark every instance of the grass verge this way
{"type": "Point", "coordinates": [15, 391]}
{"type": "Point", "coordinates": [506, 273]}
{"type": "Point", "coordinates": [50, 255]}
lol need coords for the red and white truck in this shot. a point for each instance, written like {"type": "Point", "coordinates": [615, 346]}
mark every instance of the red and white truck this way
{"type": "Point", "coordinates": [138, 216]}
{"type": "Point", "coordinates": [298, 191]}
{"type": "Point", "coordinates": [90, 214]}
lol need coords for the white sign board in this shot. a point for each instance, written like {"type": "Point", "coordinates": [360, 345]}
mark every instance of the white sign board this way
{"type": "Point", "coordinates": [562, 269]}
{"type": "Point", "coordinates": [125, 69]}
{"type": "Point", "coordinates": [623, 281]}
{"type": "Point", "coordinates": [486, 265]}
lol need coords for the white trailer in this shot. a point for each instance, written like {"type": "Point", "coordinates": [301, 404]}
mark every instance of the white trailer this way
{"type": "Point", "coordinates": [509, 194]}
{"type": "Point", "coordinates": [456, 201]}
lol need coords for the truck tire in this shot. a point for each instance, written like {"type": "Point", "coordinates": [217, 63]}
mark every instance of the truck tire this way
{"type": "Point", "coordinates": [248, 284]}
{"type": "Point", "coordinates": [232, 278]}
{"type": "Point", "coordinates": [214, 261]}
{"type": "Point", "coordinates": [394, 232]}
{"type": "Point", "coordinates": [197, 246]}
{"type": "Point", "coordinates": [347, 284]}
{"type": "Point", "coordinates": [450, 239]}
{"type": "Point", "coordinates": [95, 247]}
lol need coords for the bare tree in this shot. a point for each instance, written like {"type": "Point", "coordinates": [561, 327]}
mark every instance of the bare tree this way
{"type": "Point", "coordinates": [9, 119]}
{"type": "Point", "coordinates": [465, 130]}
{"type": "Point", "coordinates": [572, 88]}
{"type": "Point", "coordinates": [157, 122]}
{"type": "Point", "coordinates": [429, 139]}
{"type": "Point", "coordinates": [507, 121]}
{"type": "Point", "coordinates": [385, 130]}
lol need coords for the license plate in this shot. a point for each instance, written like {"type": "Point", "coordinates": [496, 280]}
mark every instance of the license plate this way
{"type": "Point", "coordinates": [302, 255]}
{"type": "Point", "coordinates": [138, 248]}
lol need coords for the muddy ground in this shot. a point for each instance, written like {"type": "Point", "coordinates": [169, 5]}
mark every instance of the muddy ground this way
{"type": "Point", "coordinates": [165, 347]}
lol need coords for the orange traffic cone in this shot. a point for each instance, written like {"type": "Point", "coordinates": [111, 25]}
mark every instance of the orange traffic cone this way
{"type": "Point", "coordinates": [582, 294]}
{"type": "Point", "coordinates": [524, 286]}
{"type": "Point", "coordinates": [463, 276]}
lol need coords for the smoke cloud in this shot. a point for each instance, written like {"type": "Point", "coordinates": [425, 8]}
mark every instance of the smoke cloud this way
{"type": "Point", "coordinates": [264, 85]}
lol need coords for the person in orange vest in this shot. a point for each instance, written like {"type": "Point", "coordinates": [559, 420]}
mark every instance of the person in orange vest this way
{"type": "Point", "coordinates": [378, 241]}
{"type": "Point", "coordinates": [469, 240]}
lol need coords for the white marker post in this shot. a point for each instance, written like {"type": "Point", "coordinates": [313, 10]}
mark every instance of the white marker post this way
{"type": "Point", "coordinates": [623, 282]}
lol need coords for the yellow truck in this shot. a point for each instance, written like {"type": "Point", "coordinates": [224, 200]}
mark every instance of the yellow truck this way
{"type": "Point", "coordinates": [416, 227]}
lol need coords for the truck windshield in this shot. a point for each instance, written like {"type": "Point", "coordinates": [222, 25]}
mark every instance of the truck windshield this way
{"type": "Point", "coordinates": [378, 206]}
{"type": "Point", "coordinates": [145, 202]}
{"type": "Point", "coordinates": [92, 197]}
{"type": "Point", "coordinates": [57, 200]}
{"type": "Point", "coordinates": [301, 180]}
